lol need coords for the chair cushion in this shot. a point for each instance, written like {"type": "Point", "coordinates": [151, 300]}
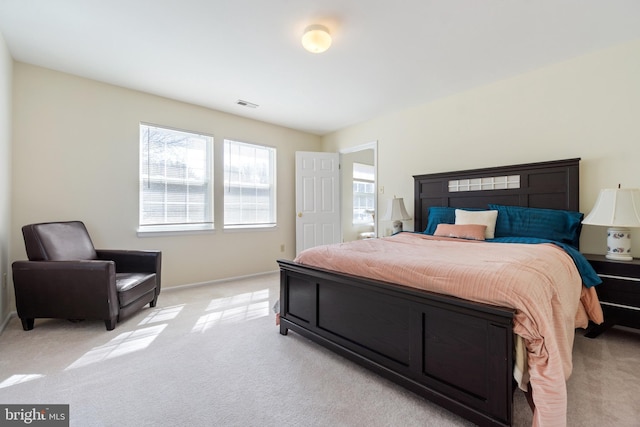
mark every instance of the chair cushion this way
{"type": "Point", "coordinates": [58, 241]}
{"type": "Point", "coordinates": [132, 286]}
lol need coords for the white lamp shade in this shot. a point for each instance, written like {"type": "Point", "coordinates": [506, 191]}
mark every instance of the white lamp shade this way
{"type": "Point", "coordinates": [316, 38]}
{"type": "Point", "coordinates": [616, 207]}
{"type": "Point", "coordinates": [396, 211]}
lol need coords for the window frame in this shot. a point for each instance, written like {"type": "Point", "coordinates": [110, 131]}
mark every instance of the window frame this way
{"type": "Point", "coordinates": [372, 194]}
{"type": "Point", "coordinates": [209, 196]}
{"type": "Point", "coordinates": [272, 187]}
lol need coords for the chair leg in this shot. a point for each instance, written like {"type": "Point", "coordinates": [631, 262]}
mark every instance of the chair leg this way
{"type": "Point", "coordinates": [154, 301]}
{"type": "Point", "coordinates": [27, 324]}
{"type": "Point", "coordinates": [110, 323]}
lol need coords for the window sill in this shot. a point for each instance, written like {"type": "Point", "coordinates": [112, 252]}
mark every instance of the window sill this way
{"type": "Point", "coordinates": [253, 227]}
{"type": "Point", "coordinates": [169, 230]}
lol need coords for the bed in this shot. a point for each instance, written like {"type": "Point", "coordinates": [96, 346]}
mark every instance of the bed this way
{"type": "Point", "coordinates": [457, 351]}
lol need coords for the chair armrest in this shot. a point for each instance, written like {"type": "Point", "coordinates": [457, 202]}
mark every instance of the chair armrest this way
{"type": "Point", "coordinates": [82, 288]}
{"type": "Point", "coordinates": [132, 261]}
{"type": "Point", "coordinates": [76, 267]}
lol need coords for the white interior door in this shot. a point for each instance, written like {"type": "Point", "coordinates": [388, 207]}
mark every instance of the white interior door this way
{"type": "Point", "coordinates": [317, 199]}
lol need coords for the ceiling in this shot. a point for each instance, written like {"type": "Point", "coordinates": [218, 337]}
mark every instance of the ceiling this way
{"type": "Point", "coordinates": [385, 55]}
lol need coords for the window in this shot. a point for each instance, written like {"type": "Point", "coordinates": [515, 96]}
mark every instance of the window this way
{"type": "Point", "coordinates": [249, 185]}
{"type": "Point", "coordinates": [363, 194]}
{"type": "Point", "coordinates": [175, 180]}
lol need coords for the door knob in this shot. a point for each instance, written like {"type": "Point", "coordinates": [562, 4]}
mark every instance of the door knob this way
{"type": "Point", "coordinates": [299, 214]}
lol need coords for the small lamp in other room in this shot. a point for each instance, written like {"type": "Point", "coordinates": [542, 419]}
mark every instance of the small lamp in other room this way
{"type": "Point", "coordinates": [397, 213]}
{"type": "Point", "coordinates": [618, 209]}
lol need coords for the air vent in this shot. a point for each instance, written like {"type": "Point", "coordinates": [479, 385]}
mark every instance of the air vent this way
{"type": "Point", "coordinates": [246, 103]}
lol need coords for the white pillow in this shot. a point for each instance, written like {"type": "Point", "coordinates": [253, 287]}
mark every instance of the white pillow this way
{"type": "Point", "coordinates": [487, 218]}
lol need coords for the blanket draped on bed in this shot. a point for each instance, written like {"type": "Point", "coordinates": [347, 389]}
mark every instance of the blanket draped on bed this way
{"type": "Point", "coordinates": [540, 281]}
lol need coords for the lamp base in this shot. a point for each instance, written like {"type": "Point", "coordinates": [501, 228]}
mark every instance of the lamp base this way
{"type": "Point", "coordinates": [397, 226]}
{"type": "Point", "coordinates": [619, 244]}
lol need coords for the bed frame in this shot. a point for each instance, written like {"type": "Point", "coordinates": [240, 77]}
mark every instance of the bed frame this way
{"type": "Point", "coordinates": [454, 352]}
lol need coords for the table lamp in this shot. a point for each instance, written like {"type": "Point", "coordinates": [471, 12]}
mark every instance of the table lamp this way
{"type": "Point", "coordinates": [618, 209]}
{"type": "Point", "coordinates": [397, 213]}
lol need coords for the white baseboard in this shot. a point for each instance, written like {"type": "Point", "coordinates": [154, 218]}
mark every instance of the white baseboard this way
{"type": "Point", "coordinates": [6, 320]}
{"type": "Point", "coordinates": [218, 281]}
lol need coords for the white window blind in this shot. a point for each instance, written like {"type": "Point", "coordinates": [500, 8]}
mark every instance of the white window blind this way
{"type": "Point", "coordinates": [175, 178]}
{"type": "Point", "coordinates": [249, 185]}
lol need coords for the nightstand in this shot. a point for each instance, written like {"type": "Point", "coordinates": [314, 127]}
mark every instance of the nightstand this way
{"type": "Point", "coordinates": [619, 292]}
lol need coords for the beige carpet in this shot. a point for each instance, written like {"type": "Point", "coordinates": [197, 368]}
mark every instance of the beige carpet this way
{"type": "Point", "coordinates": [212, 356]}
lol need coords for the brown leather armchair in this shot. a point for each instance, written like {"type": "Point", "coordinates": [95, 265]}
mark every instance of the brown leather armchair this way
{"type": "Point", "coordinates": [67, 278]}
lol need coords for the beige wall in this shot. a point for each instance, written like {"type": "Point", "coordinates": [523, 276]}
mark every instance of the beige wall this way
{"type": "Point", "coordinates": [6, 72]}
{"type": "Point", "coordinates": [75, 156]}
{"type": "Point", "coordinates": [587, 107]}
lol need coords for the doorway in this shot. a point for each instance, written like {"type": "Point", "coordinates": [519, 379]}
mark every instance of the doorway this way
{"type": "Point", "coordinates": [359, 192]}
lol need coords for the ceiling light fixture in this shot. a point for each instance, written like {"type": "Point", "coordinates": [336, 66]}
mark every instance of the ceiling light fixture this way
{"type": "Point", "coordinates": [316, 38]}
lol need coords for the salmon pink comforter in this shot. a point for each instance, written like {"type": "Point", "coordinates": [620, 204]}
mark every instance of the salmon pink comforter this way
{"type": "Point", "coordinates": [540, 281]}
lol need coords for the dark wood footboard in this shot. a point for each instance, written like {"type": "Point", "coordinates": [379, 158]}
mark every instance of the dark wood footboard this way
{"type": "Point", "coordinates": [453, 352]}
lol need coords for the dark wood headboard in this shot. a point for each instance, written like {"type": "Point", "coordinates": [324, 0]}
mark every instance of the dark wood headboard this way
{"type": "Point", "coordinates": [553, 185]}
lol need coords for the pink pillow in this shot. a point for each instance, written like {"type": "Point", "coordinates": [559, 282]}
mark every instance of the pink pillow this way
{"type": "Point", "coordinates": [461, 231]}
